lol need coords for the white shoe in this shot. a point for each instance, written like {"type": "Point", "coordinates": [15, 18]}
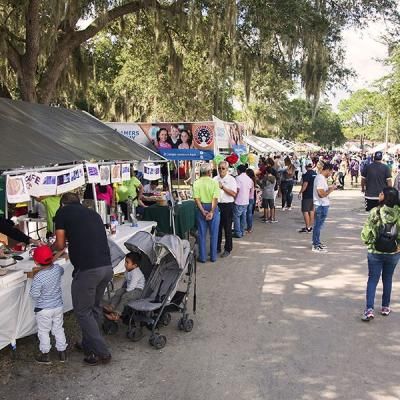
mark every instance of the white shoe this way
{"type": "Point", "coordinates": [319, 249]}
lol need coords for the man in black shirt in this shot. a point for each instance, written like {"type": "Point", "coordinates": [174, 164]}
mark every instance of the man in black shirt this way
{"type": "Point", "coordinates": [90, 255]}
{"type": "Point", "coordinates": [374, 178]}
{"type": "Point", "coordinates": [307, 201]}
{"type": "Point", "coordinates": [7, 228]}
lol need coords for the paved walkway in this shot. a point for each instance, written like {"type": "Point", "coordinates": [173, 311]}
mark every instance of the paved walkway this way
{"type": "Point", "coordinates": [275, 321]}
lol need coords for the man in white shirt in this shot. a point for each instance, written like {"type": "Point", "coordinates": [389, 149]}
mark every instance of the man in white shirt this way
{"type": "Point", "coordinates": [321, 202]}
{"type": "Point", "coordinates": [228, 186]}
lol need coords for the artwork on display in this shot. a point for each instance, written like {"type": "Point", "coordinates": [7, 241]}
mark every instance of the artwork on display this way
{"type": "Point", "coordinates": [93, 173]}
{"type": "Point", "coordinates": [105, 175]}
{"type": "Point", "coordinates": [70, 179]}
{"type": "Point", "coordinates": [151, 172]}
{"type": "Point", "coordinates": [41, 183]}
{"type": "Point", "coordinates": [125, 172]}
{"type": "Point", "coordinates": [116, 173]}
{"type": "Point", "coordinates": [17, 192]}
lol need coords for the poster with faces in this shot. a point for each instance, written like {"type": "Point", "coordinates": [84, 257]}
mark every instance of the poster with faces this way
{"type": "Point", "coordinates": [17, 191]}
{"type": "Point", "coordinates": [116, 173]}
{"type": "Point", "coordinates": [105, 175]}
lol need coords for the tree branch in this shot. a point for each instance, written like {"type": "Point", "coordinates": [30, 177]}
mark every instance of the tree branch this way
{"type": "Point", "coordinates": [72, 40]}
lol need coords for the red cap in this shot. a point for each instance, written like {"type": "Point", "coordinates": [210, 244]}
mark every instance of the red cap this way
{"type": "Point", "coordinates": [43, 255]}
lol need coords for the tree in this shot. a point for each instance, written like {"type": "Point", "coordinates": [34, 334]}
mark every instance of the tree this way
{"type": "Point", "coordinates": [364, 115]}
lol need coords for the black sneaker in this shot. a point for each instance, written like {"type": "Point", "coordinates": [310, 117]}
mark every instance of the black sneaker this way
{"type": "Point", "coordinates": [225, 254]}
{"type": "Point", "coordinates": [309, 230]}
{"type": "Point", "coordinates": [43, 358]}
{"type": "Point", "coordinates": [92, 359]}
{"type": "Point", "coordinates": [303, 230]}
{"type": "Point", "coordinates": [62, 356]}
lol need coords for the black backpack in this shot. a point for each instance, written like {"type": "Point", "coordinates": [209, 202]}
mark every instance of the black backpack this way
{"type": "Point", "coordinates": [386, 241]}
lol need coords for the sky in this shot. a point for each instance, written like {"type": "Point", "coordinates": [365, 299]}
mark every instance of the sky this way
{"type": "Point", "coordinates": [364, 49]}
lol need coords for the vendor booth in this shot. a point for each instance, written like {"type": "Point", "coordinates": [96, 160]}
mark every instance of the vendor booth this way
{"type": "Point", "coordinates": [46, 151]}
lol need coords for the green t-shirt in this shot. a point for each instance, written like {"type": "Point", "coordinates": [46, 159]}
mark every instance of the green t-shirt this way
{"type": "Point", "coordinates": [51, 204]}
{"type": "Point", "coordinates": [206, 189]}
{"type": "Point", "coordinates": [128, 189]}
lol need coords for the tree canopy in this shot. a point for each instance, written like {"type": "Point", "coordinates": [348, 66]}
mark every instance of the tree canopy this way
{"type": "Point", "coordinates": [176, 59]}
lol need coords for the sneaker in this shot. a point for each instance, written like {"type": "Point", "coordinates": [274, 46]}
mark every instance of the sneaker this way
{"type": "Point", "coordinates": [225, 254]}
{"type": "Point", "coordinates": [92, 359]}
{"type": "Point", "coordinates": [319, 249]}
{"type": "Point", "coordinates": [324, 246]}
{"type": "Point", "coordinates": [309, 230]}
{"type": "Point", "coordinates": [289, 209]}
{"type": "Point", "coordinates": [274, 221]}
{"type": "Point", "coordinates": [302, 230]}
{"type": "Point", "coordinates": [43, 358]}
{"type": "Point", "coordinates": [385, 311]}
{"type": "Point", "coordinates": [62, 356]}
{"type": "Point", "coordinates": [368, 315]}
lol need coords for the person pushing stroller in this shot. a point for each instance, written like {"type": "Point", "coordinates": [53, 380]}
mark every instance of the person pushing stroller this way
{"type": "Point", "coordinates": [131, 289]}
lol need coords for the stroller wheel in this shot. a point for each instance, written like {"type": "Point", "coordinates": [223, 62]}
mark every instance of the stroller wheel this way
{"type": "Point", "coordinates": [110, 327]}
{"type": "Point", "coordinates": [165, 319]}
{"type": "Point", "coordinates": [158, 341]}
{"type": "Point", "coordinates": [135, 334]}
{"type": "Point", "coordinates": [188, 325]}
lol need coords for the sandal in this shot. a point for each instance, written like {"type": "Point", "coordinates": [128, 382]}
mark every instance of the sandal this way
{"type": "Point", "coordinates": [108, 308]}
{"type": "Point", "coordinates": [112, 316]}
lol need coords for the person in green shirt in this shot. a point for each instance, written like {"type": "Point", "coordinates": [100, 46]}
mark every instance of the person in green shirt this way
{"type": "Point", "coordinates": [51, 205]}
{"type": "Point", "coordinates": [129, 189]}
{"type": "Point", "coordinates": [206, 193]}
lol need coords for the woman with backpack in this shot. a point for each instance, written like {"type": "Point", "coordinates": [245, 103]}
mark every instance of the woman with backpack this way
{"type": "Point", "coordinates": [381, 234]}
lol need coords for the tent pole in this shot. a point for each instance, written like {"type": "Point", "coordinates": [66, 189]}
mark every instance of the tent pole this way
{"type": "Point", "coordinates": [96, 206]}
{"type": "Point", "coordinates": [172, 209]}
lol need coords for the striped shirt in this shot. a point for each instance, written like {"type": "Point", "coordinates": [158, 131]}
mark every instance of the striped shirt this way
{"type": "Point", "coordinates": [46, 287]}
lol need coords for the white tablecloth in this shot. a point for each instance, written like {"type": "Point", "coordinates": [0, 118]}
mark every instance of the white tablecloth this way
{"type": "Point", "coordinates": [17, 318]}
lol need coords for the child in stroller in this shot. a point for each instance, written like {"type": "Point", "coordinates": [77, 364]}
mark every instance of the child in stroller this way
{"type": "Point", "coordinates": [131, 289]}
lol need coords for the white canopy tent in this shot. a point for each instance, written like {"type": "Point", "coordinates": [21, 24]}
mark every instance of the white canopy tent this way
{"type": "Point", "coordinates": [266, 145]}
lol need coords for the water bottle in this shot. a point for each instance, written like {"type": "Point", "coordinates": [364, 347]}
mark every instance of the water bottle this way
{"type": "Point", "coordinates": [113, 225]}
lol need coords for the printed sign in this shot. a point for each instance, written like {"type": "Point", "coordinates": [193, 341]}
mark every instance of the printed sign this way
{"type": "Point", "coordinates": [93, 173]}
{"type": "Point", "coordinates": [125, 172]}
{"type": "Point", "coordinates": [41, 183]}
{"type": "Point", "coordinates": [151, 172]}
{"type": "Point", "coordinates": [70, 179]}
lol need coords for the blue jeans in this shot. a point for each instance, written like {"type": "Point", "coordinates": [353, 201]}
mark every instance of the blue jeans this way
{"type": "Point", "coordinates": [250, 215]}
{"type": "Point", "coordinates": [239, 219]}
{"type": "Point", "coordinates": [378, 264]}
{"type": "Point", "coordinates": [321, 212]}
{"type": "Point", "coordinates": [202, 226]}
{"type": "Point", "coordinates": [287, 193]}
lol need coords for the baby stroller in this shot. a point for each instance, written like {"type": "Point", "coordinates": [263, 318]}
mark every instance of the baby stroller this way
{"type": "Point", "coordinates": [147, 261]}
{"type": "Point", "coordinates": [166, 290]}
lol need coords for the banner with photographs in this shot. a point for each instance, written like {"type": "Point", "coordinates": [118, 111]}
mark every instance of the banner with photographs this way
{"type": "Point", "coordinates": [105, 175]}
{"type": "Point", "coordinates": [70, 179]}
{"type": "Point", "coordinates": [182, 140]}
{"type": "Point", "coordinates": [116, 173]}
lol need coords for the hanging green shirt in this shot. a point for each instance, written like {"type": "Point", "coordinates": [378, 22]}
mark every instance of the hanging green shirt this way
{"type": "Point", "coordinates": [206, 189]}
{"type": "Point", "coordinates": [51, 204]}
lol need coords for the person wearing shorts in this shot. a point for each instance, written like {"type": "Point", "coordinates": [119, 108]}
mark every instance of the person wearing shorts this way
{"type": "Point", "coordinates": [306, 196]}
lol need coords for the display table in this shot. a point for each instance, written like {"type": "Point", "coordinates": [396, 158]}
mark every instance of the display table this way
{"type": "Point", "coordinates": [17, 318]}
{"type": "Point", "coordinates": [185, 217]}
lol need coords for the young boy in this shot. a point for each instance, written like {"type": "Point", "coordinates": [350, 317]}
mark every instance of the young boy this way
{"type": "Point", "coordinates": [131, 289]}
{"type": "Point", "coordinates": [47, 294]}
{"type": "Point", "coordinates": [267, 185]}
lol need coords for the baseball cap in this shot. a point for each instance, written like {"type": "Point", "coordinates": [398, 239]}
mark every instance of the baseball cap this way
{"type": "Point", "coordinates": [378, 156]}
{"type": "Point", "coordinates": [43, 255]}
{"type": "Point", "coordinates": [309, 165]}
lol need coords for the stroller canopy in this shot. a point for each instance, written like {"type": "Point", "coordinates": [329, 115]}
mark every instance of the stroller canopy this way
{"type": "Point", "coordinates": [142, 242]}
{"type": "Point", "coordinates": [174, 245]}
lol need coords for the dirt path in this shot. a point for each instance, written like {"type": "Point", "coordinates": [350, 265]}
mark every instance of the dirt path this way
{"type": "Point", "coordinates": [274, 321]}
